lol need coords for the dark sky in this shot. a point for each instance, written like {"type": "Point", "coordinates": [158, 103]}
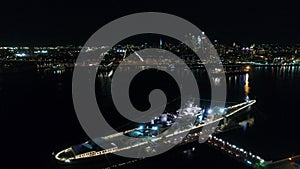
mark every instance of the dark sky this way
{"type": "Point", "coordinates": [57, 22]}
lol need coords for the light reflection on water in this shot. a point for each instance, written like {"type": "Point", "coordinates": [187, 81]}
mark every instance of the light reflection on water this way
{"type": "Point", "coordinates": [283, 71]}
{"type": "Point", "coordinates": [246, 87]}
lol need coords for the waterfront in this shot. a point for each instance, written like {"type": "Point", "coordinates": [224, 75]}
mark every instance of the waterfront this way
{"type": "Point", "coordinates": [44, 101]}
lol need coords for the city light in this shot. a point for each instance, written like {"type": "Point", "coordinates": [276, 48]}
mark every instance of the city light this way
{"type": "Point", "coordinates": [141, 127]}
{"type": "Point", "coordinates": [20, 54]}
{"type": "Point", "coordinates": [237, 152]}
{"type": "Point", "coordinates": [222, 110]}
{"type": "Point", "coordinates": [154, 127]}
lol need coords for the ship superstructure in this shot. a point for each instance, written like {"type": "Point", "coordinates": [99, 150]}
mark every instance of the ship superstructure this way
{"type": "Point", "coordinates": [199, 126]}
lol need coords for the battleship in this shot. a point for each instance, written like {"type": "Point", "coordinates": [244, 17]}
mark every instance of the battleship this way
{"type": "Point", "coordinates": [205, 122]}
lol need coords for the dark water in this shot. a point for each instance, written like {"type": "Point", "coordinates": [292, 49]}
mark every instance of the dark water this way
{"type": "Point", "coordinates": [37, 118]}
{"type": "Point", "coordinates": [275, 133]}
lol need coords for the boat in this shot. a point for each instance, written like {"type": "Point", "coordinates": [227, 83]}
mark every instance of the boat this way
{"type": "Point", "coordinates": [202, 123]}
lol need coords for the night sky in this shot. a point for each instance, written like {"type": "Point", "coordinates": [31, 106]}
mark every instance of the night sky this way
{"type": "Point", "coordinates": [56, 22]}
